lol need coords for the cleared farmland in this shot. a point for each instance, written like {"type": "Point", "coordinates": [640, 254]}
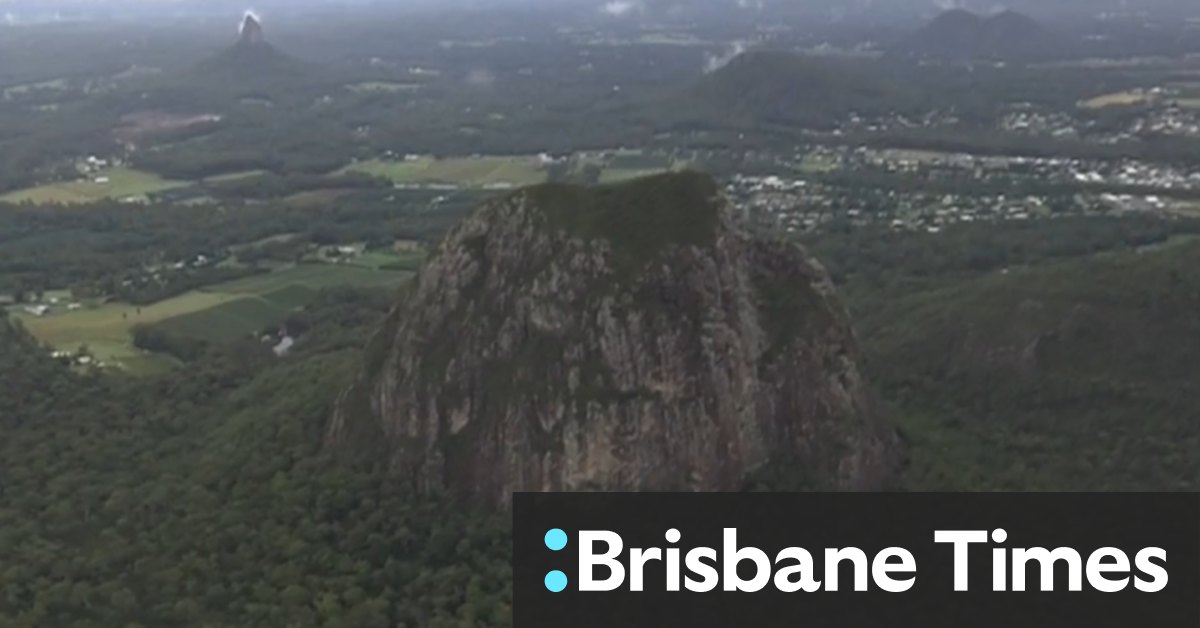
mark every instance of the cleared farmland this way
{"type": "Point", "coordinates": [1117, 99]}
{"type": "Point", "coordinates": [118, 183]}
{"type": "Point", "coordinates": [215, 313]}
{"type": "Point", "coordinates": [479, 171]}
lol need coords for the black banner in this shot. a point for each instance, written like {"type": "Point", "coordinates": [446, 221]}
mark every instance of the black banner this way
{"type": "Point", "coordinates": [855, 559]}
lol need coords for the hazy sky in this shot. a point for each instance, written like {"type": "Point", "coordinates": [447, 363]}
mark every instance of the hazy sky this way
{"type": "Point", "coordinates": [610, 7]}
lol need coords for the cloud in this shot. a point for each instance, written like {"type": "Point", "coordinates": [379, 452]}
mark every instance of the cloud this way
{"type": "Point", "coordinates": [948, 5]}
{"type": "Point", "coordinates": [618, 8]}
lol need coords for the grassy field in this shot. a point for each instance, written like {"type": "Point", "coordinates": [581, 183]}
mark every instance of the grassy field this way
{"type": "Point", "coordinates": [122, 183]}
{"type": "Point", "coordinates": [388, 260]}
{"type": "Point", "coordinates": [617, 175]}
{"type": "Point", "coordinates": [632, 165]}
{"type": "Point", "coordinates": [501, 171]}
{"type": "Point", "coordinates": [312, 276]}
{"type": "Point", "coordinates": [814, 164]}
{"type": "Point", "coordinates": [919, 156]}
{"type": "Point", "coordinates": [314, 198]}
{"type": "Point", "coordinates": [461, 171]}
{"type": "Point", "coordinates": [235, 176]}
{"type": "Point", "coordinates": [21, 90]}
{"type": "Point", "coordinates": [215, 313]}
{"type": "Point", "coordinates": [1189, 208]}
{"type": "Point", "coordinates": [237, 318]}
{"type": "Point", "coordinates": [105, 329]}
{"type": "Point", "coordinates": [383, 86]}
{"type": "Point", "coordinates": [1117, 99]}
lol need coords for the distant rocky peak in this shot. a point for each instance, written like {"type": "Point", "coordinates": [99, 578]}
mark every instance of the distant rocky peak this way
{"type": "Point", "coordinates": [251, 31]}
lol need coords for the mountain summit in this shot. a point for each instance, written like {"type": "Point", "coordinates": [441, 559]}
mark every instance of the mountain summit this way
{"type": "Point", "coordinates": [960, 35]}
{"type": "Point", "coordinates": [248, 62]}
{"type": "Point", "coordinates": [251, 32]}
{"type": "Point", "coordinates": [625, 337]}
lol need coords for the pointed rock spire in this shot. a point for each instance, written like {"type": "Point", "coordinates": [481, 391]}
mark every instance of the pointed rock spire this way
{"type": "Point", "coordinates": [251, 31]}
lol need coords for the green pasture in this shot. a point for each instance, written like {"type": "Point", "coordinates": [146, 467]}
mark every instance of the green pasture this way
{"type": "Point", "coordinates": [368, 87]}
{"type": "Point", "coordinates": [122, 183]}
{"type": "Point", "coordinates": [215, 313]}
{"type": "Point", "coordinates": [1117, 99]}
{"type": "Point", "coordinates": [478, 171]}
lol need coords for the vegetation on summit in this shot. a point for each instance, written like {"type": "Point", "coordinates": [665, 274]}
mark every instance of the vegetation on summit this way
{"type": "Point", "coordinates": [638, 219]}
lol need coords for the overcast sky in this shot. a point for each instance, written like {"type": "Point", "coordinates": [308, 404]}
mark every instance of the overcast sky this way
{"type": "Point", "coordinates": [610, 7]}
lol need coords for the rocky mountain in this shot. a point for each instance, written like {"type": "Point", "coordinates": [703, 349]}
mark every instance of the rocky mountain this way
{"type": "Point", "coordinates": [960, 35]}
{"type": "Point", "coordinates": [250, 60]}
{"type": "Point", "coordinates": [625, 337]}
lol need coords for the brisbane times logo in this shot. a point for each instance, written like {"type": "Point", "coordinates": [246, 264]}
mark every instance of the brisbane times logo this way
{"type": "Point", "coordinates": [604, 559]}
{"type": "Point", "coordinates": [893, 569]}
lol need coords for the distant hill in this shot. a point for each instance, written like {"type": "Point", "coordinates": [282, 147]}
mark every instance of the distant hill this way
{"type": "Point", "coordinates": [252, 59]}
{"type": "Point", "coordinates": [960, 35]}
{"type": "Point", "coordinates": [769, 87]}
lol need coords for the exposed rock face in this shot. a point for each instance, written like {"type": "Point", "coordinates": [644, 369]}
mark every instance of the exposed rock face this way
{"type": "Point", "coordinates": [621, 338]}
{"type": "Point", "coordinates": [251, 32]}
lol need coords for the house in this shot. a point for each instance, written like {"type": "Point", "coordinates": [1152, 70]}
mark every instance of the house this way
{"type": "Point", "coordinates": [94, 164]}
{"type": "Point", "coordinates": [284, 346]}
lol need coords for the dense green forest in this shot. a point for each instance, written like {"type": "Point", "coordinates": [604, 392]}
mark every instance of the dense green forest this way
{"type": "Point", "coordinates": [1042, 356]}
{"type": "Point", "coordinates": [201, 499]}
{"type": "Point", "coordinates": [1077, 375]}
{"type": "Point", "coordinates": [874, 265]}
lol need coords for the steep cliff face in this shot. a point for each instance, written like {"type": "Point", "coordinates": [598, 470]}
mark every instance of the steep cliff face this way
{"type": "Point", "coordinates": [626, 338]}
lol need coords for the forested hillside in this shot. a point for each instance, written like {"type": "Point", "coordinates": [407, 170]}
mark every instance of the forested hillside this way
{"type": "Point", "coordinates": [200, 499]}
{"type": "Point", "coordinates": [1073, 376]}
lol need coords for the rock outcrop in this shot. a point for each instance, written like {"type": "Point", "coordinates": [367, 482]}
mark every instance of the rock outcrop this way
{"type": "Point", "coordinates": [250, 63]}
{"type": "Point", "coordinates": [251, 33]}
{"type": "Point", "coordinates": [624, 337]}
